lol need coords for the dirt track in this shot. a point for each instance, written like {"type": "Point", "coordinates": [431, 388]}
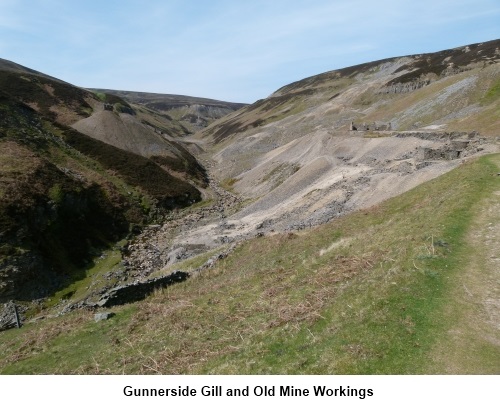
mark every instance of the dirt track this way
{"type": "Point", "coordinates": [475, 308]}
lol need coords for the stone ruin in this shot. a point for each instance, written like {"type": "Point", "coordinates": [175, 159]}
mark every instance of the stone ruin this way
{"type": "Point", "coordinates": [375, 126]}
{"type": "Point", "coordinates": [454, 149]}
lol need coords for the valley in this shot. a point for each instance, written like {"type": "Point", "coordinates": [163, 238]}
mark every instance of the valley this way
{"type": "Point", "coordinates": [325, 229]}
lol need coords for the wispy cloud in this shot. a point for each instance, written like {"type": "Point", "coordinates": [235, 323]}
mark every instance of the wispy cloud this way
{"type": "Point", "coordinates": [227, 49]}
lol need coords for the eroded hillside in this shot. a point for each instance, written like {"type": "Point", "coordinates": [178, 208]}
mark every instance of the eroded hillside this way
{"type": "Point", "coordinates": [338, 142]}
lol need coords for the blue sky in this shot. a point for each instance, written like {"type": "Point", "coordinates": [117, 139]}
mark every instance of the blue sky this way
{"type": "Point", "coordinates": [228, 49]}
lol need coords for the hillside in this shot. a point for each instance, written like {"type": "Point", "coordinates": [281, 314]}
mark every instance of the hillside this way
{"type": "Point", "coordinates": [294, 158]}
{"type": "Point", "coordinates": [452, 90]}
{"type": "Point", "coordinates": [64, 195]}
{"type": "Point", "coordinates": [192, 113]}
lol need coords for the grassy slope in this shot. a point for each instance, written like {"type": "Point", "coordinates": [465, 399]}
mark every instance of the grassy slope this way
{"type": "Point", "coordinates": [471, 343]}
{"type": "Point", "coordinates": [369, 293]}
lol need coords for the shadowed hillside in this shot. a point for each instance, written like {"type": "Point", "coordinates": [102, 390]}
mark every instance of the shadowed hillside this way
{"type": "Point", "coordinates": [65, 196]}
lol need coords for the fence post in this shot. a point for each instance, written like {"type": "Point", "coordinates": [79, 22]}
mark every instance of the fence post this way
{"type": "Point", "coordinates": [16, 314]}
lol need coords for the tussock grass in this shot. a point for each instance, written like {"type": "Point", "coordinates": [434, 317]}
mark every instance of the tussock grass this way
{"type": "Point", "coordinates": [375, 302]}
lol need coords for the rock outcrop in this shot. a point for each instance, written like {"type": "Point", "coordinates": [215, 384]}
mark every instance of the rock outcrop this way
{"type": "Point", "coordinates": [139, 290]}
{"type": "Point", "coordinates": [397, 88]}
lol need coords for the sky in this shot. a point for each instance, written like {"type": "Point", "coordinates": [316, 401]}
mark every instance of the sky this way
{"type": "Point", "coordinates": [230, 50]}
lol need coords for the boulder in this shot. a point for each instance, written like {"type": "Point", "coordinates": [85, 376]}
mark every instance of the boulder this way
{"type": "Point", "coordinates": [102, 316]}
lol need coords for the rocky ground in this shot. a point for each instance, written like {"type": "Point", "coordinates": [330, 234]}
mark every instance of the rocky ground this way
{"type": "Point", "coordinates": [158, 245]}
